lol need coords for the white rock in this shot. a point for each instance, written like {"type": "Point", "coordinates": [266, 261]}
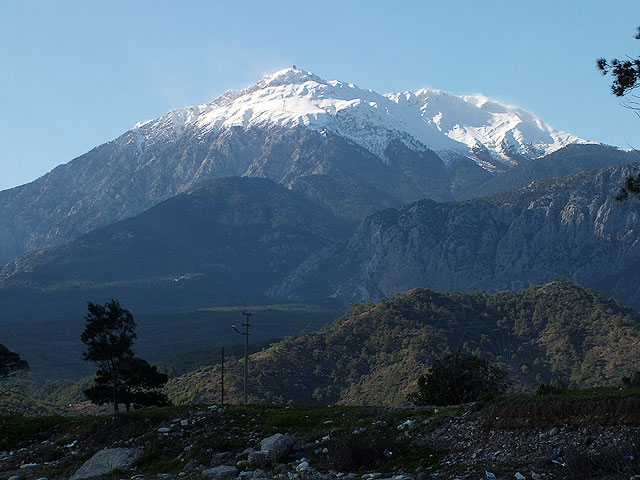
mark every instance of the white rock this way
{"type": "Point", "coordinates": [277, 446]}
{"type": "Point", "coordinates": [223, 472]}
{"type": "Point", "coordinates": [106, 460]}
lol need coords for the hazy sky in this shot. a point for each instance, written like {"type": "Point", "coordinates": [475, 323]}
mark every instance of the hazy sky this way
{"type": "Point", "coordinates": [75, 74]}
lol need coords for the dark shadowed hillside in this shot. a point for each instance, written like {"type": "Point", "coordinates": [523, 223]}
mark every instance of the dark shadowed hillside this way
{"type": "Point", "coordinates": [223, 243]}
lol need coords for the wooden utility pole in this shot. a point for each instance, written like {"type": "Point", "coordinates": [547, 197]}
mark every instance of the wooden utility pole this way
{"type": "Point", "coordinates": [222, 378]}
{"type": "Point", "coordinates": [246, 334]}
{"type": "Point", "coordinates": [246, 352]}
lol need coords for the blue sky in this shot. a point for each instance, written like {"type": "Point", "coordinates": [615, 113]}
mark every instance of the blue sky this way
{"type": "Point", "coordinates": [75, 74]}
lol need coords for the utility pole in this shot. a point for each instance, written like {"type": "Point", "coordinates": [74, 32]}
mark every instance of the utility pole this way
{"type": "Point", "coordinates": [246, 334]}
{"type": "Point", "coordinates": [222, 378]}
{"type": "Point", "coordinates": [246, 352]}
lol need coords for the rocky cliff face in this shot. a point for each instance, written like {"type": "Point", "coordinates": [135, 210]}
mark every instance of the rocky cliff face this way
{"type": "Point", "coordinates": [120, 179]}
{"type": "Point", "coordinates": [571, 228]}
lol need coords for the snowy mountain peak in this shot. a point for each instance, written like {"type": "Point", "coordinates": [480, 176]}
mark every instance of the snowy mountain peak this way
{"type": "Point", "coordinates": [483, 124]}
{"type": "Point", "coordinates": [471, 125]}
{"type": "Point", "coordinates": [289, 76]}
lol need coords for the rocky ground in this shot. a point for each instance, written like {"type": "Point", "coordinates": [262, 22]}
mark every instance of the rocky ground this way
{"type": "Point", "coordinates": [294, 442]}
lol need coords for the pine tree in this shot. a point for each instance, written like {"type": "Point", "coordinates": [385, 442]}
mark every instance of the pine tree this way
{"type": "Point", "coordinates": [626, 78]}
{"type": "Point", "coordinates": [122, 378]}
{"type": "Point", "coordinates": [10, 365]}
{"type": "Point", "coordinates": [626, 75]}
{"type": "Point", "coordinates": [455, 378]}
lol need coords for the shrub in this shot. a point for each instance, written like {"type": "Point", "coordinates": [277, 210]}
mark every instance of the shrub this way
{"type": "Point", "coordinates": [356, 452]}
{"type": "Point", "coordinates": [455, 378]}
{"type": "Point", "coordinates": [550, 389]}
{"type": "Point", "coordinates": [631, 382]}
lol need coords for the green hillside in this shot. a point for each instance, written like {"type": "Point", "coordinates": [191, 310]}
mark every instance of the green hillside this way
{"type": "Point", "coordinates": [374, 353]}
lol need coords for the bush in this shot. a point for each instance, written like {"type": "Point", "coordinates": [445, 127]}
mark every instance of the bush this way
{"type": "Point", "coordinates": [356, 452]}
{"type": "Point", "coordinates": [455, 378]}
{"type": "Point", "coordinates": [550, 389]}
{"type": "Point", "coordinates": [631, 382]}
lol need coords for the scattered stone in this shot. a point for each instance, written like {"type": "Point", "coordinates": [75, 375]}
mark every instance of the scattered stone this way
{"type": "Point", "coordinates": [246, 475]}
{"type": "Point", "coordinates": [107, 460]}
{"type": "Point", "coordinates": [277, 446]}
{"type": "Point", "coordinates": [553, 431]}
{"type": "Point", "coordinates": [407, 424]}
{"type": "Point", "coordinates": [223, 472]}
{"type": "Point", "coordinates": [220, 458]}
{"type": "Point", "coordinates": [244, 454]}
{"type": "Point", "coordinates": [302, 466]}
{"type": "Point", "coordinates": [15, 477]}
{"type": "Point", "coordinates": [259, 458]}
{"type": "Point", "coordinates": [164, 430]}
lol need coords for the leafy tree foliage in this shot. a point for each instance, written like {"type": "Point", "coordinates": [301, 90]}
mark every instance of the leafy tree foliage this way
{"type": "Point", "coordinates": [122, 378]}
{"type": "Point", "coordinates": [626, 74]}
{"type": "Point", "coordinates": [631, 188]}
{"type": "Point", "coordinates": [10, 365]}
{"type": "Point", "coordinates": [632, 381]}
{"type": "Point", "coordinates": [137, 385]}
{"type": "Point", "coordinates": [455, 378]}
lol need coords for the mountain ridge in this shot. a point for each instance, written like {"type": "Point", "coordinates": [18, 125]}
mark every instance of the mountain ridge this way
{"type": "Point", "coordinates": [569, 228]}
{"type": "Point", "coordinates": [166, 156]}
{"type": "Point", "coordinates": [421, 118]}
{"type": "Point", "coordinates": [251, 241]}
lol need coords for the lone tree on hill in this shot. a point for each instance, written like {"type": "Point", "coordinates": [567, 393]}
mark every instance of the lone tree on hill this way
{"type": "Point", "coordinates": [626, 79]}
{"type": "Point", "coordinates": [455, 378]}
{"type": "Point", "coordinates": [10, 365]}
{"type": "Point", "coordinates": [122, 378]}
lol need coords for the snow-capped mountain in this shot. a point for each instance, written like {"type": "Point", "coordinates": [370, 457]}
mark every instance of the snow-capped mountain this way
{"type": "Point", "coordinates": [482, 124]}
{"type": "Point", "coordinates": [348, 149]}
{"type": "Point", "coordinates": [422, 119]}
